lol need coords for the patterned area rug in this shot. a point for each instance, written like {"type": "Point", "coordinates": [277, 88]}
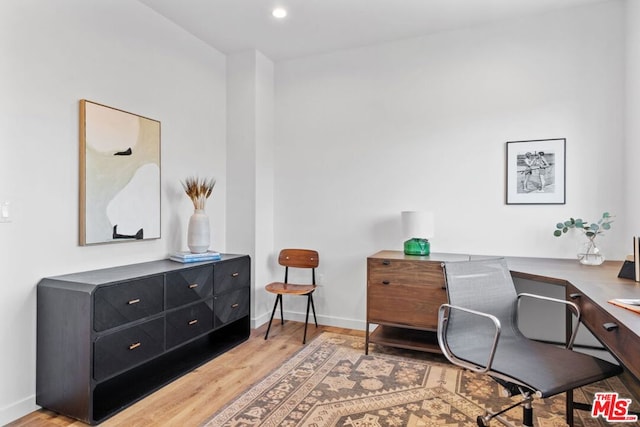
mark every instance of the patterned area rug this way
{"type": "Point", "coordinates": [331, 382]}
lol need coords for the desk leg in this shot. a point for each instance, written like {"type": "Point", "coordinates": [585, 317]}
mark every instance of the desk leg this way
{"type": "Point", "coordinates": [570, 408]}
{"type": "Point", "coordinates": [569, 393]}
{"type": "Point", "coordinates": [366, 340]}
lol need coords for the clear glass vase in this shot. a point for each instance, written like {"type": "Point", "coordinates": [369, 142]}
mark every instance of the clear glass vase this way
{"type": "Point", "coordinates": [589, 254]}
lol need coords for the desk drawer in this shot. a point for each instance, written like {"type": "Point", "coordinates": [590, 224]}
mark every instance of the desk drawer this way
{"type": "Point", "coordinates": [189, 322]}
{"type": "Point", "coordinates": [618, 340]}
{"type": "Point", "coordinates": [404, 292]}
{"type": "Point", "coordinates": [187, 286]}
{"type": "Point", "coordinates": [405, 304]}
{"type": "Point", "coordinates": [122, 303]}
{"type": "Point", "coordinates": [405, 272]}
{"type": "Point", "coordinates": [230, 275]}
{"type": "Point", "coordinates": [124, 349]}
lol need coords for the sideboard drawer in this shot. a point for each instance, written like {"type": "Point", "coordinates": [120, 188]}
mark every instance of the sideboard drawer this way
{"type": "Point", "coordinates": [122, 303]}
{"type": "Point", "coordinates": [189, 322]}
{"type": "Point", "coordinates": [405, 304]}
{"type": "Point", "coordinates": [124, 349]}
{"type": "Point", "coordinates": [231, 306]}
{"type": "Point", "coordinates": [187, 286]}
{"type": "Point", "coordinates": [232, 275]}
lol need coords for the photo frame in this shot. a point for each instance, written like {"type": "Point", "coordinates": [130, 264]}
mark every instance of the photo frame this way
{"type": "Point", "coordinates": [119, 175]}
{"type": "Point", "coordinates": [536, 172]}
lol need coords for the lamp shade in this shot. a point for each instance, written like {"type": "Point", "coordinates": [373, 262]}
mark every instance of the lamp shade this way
{"type": "Point", "coordinates": [417, 224]}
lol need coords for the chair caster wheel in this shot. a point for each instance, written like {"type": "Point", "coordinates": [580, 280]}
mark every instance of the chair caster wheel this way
{"type": "Point", "coordinates": [480, 421]}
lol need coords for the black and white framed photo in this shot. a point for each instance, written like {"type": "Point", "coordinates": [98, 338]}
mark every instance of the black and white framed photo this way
{"type": "Point", "coordinates": [536, 172]}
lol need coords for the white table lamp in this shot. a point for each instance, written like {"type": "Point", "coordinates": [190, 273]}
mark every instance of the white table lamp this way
{"type": "Point", "coordinates": [418, 229]}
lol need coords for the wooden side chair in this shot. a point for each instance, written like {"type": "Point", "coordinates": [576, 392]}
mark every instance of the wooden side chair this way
{"type": "Point", "coordinates": [295, 258]}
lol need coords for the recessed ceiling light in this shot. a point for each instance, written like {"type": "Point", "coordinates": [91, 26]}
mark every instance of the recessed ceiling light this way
{"type": "Point", "coordinates": [279, 12]}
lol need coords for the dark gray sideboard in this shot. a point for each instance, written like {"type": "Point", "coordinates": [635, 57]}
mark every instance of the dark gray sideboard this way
{"type": "Point", "coordinates": [107, 338]}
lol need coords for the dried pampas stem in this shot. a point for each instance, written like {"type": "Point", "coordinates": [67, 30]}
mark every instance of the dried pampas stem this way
{"type": "Point", "coordinates": [198, 190]}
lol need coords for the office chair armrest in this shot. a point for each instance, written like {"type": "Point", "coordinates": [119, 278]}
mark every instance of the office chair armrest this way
{"type": "Point", "coordinates": [571, 306]}
{"type": "Point", "coordinates": [442, 338]}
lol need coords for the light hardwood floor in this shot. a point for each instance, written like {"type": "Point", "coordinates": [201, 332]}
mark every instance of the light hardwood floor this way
{"type": "Point", "coordinates": [193, 398]}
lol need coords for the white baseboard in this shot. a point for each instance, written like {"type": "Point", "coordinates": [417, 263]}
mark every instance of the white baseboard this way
{"type": "Point", "coordinates": [17, 410]}
{"type": "Point", "coordinates": [338, 322]}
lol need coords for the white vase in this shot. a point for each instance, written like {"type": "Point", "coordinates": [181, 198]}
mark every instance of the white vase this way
{"type": "Point", "coordinates": [198, 235]}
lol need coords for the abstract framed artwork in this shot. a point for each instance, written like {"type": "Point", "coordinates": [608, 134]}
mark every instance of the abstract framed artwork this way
{"type": "Point", "coordinates": [536, 172]}
{"type": "Point", "coordinates": [119, 175]}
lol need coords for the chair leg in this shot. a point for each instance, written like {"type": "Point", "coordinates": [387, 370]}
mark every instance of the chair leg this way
{"type": "Point", "coordinates": [314, 310]}
{"type": "Point", "coordinates": [278, 299]}
{"type": "Point", "coordinates": [306, 319]}
{"type": "Point", "coordinates": [281, 310]}
{"type": "Point", "coordinates": [483, 421]}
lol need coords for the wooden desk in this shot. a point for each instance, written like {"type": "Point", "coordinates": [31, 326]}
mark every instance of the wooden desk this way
{"type": "Point", "coordinates": [403, 293]}
{"type": "Point", "coordinates": [618, 329]}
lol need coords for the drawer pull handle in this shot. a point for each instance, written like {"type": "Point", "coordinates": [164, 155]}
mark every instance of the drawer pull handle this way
{"type": "Point", "coordinates": [134, 346]}
{"type": "Point", "coordinates": [193, 322]}
{"type": "Point", "coordinates": [574, 296]}
{"type": "Point", "coordinates": [610, 326]}
{"type": "Point", "coordinates": [235, 274]}
{"type": "Point", "coordinates": [386, 262]}
{"type": "Point", "coordinates": [235, 305]}
{"type": "Point", "coordinates": [134, 301]}
{"type": "Point", "coordinates": [193, 286]}
{"type": "Point", "coordinates": [385, 282]}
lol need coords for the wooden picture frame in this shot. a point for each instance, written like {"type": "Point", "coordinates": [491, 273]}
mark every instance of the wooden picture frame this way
{"type": "Point", "coordinates": [536, 172]}
{"type": "Point", "coordinates": [119, 175]}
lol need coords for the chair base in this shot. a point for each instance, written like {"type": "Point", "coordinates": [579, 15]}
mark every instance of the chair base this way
{"type": "Point", "coordinates": [306, 320]}
{"type": "Point", "coordinates": [527, 413]}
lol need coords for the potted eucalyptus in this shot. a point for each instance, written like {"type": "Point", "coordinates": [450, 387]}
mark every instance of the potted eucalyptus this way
{"type": "Point", "coordinates": [589, 253]}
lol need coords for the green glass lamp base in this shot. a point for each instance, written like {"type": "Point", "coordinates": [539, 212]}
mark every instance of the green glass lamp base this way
{"type": "Point", "coordinates": [417, 246]}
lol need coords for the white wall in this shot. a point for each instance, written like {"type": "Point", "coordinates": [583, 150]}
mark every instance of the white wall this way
{"type": "Point", "coordinates": [359, 136]}
{"type": "Point", "coordinates": [265, 260]}
{"type": "Point", "coordinates": [422, 123]}
{"type": "Point", "coordinates": [632, 137]}
{"type": "Point", "coordinates": [250, 107]}
{"type": "Point", "coordinates": [121, 54]}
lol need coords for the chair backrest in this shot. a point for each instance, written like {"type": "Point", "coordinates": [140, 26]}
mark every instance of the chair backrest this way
{"type": "Point", "coordinates": [299, 258]}
{"type": "Point", "coordinates": [483, 285]}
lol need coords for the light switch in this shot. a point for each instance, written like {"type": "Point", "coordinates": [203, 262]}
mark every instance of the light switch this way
{"type": "Point", "coordinates": [5, 211]}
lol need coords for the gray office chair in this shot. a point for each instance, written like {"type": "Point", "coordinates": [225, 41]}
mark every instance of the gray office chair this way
{"type": "Point", "coordinates": [478, 330]}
